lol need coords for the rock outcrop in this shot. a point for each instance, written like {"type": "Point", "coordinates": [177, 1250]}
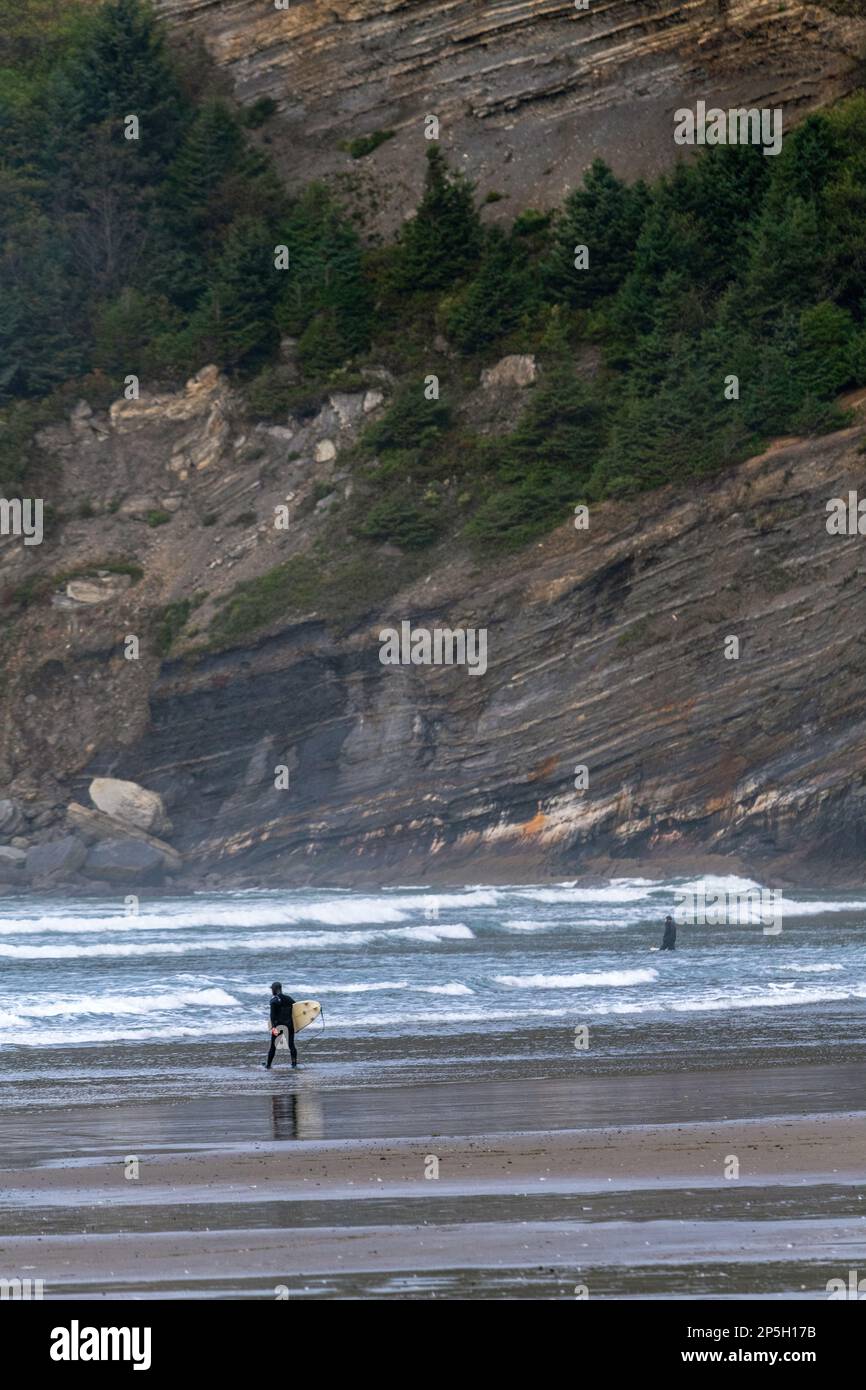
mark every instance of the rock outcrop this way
{"type": "Point", "coordinates": [56, 861]}
{"type": "Point", "coordinates": [134, 807]}
{"type": "Point", "coordinates": [607, 648]}
{"type": "Point", "coordinates": [12, 864]}
{"type": "Point", "coordinates": [124, 861]}
{"type": "Point", "coordinates": [94, 826]}
{"type": "Point", "coordinates": [567, 84]}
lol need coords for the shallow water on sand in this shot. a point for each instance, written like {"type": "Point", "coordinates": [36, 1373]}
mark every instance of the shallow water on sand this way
{"type": "Point", "coordinates": [100, 1006]}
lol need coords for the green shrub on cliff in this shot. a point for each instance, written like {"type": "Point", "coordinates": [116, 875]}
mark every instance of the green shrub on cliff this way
{"type": "Point", "coordinates": [324, 298]}
{"type": "Point", "coordinates": [605, 216]}
{"type": "Point", "coordinates": [412, 421]}
{"type": "Point", "coordinates": [543, 468]}
{"type": "Point", "coordinates": [722, 304]}
{"type": "Point", "coordinates": [443, 240]}
{"type": "Point", "coordinates": [405, 519]}
{"type": "Point", "coordinates": [494, 302]}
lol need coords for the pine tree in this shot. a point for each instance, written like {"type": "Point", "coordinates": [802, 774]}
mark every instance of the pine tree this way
{"type": "Point", "coordinates": [100, 187]}
{"type": "Point", "coordinates": [211, 148]}
{"type": "Point", "coordinates": [787, 269]}
{"type": "Point", "coordinates": [670, 241]}
{"type": "Point", "coordinates": [496, 298]}
{"type": "Point", "coordinates": [723, 190]}
{"type": "Point", "coordinates": [545, 465]}
{"type": "Point", "coordinates": [39, 313]}
{"type": "Point", "coordinates": [235, 322]}
{"type": "Point", "coordinates": [825, 357]}
{"type": "Point", "coordinates": [124, 326]}
{"type": "Point", "coordinates": [121, 68]}
{"type": "Point", "coordinates": [321, 347]}
{"type": "Point", "coordinates": [324, 297]}
{"type": "Point", "coordinates": [605, 216]}
{"type": "Point", "coordinates": [444, 238]}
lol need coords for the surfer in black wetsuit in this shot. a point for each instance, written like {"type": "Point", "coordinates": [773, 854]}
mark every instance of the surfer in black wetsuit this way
{"type": "Point", "coordinates": [281, 1015]}
{"type": "Point", "coordinates": [669, 940]}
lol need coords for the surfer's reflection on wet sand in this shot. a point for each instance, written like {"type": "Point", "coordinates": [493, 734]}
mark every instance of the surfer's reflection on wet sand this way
{"type": "Point", "coordinates": [297, 1116]}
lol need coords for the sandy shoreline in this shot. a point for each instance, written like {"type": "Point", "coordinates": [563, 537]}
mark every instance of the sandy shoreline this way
{"type": "Point", "coordinates": [232, 1221]}
{"type": "Point", "coordinates": [821, 1147]}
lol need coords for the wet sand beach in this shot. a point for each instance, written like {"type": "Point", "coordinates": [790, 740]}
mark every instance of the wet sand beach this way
{"type": "Point", "coordinates": [511, 1094]}
{"type": "Point", "coordinates": [627, 1210]}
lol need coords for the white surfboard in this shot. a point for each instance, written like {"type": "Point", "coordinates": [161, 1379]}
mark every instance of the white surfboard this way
{"type": "Point", "coordinates": [303, 1013]}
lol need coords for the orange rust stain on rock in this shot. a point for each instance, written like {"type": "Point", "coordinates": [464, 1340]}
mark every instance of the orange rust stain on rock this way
{"type": "Point", "coordinates": [544, 769]}
{"type": "Point", "coordinates": [534, 826]}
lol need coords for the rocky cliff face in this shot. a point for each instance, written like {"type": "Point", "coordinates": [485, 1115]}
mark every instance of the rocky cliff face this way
{"type": "Point", "coordinates": [606, 648]}
{"type": "Point", "coordinates": [527, 92]}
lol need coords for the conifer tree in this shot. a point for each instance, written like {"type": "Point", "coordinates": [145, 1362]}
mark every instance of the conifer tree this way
{"type": "Point", "coordinates": [211, 147]}
{"type": "Point", "coordinates": [825, 356]}
{"type": "Point", "coordinates": [787, 268]}
{"type": "Point", "coordinates": [545, 465]}
{"type": "Point", "coordinates": [494, 301]}
{"type": "Point", "coordinates": [121, 68]}
{"type": "Point", "coordinates": [39, 345]}
{"type": "Point", "coordinates": [444, 238]}
{"type": "Point", "coordinates": [605, 216]}
{"type": "Point", "coordinates": [235, 321]}
{"type": "Point", "coordinates": [324, 296]}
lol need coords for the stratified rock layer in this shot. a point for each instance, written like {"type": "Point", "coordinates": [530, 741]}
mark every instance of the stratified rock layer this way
{"type": "Point", "coordinates": [608, 648]}
{"type": "Point", "coordinates": [526, 92]}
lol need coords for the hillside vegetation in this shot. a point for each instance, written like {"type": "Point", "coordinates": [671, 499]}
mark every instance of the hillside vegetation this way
{"type": "Point", "coordinates": [149, 256]}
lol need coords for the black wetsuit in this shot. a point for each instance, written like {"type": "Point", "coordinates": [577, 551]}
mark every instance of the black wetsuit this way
{"type": "Point", "coordinates": [669, 940]}
{"type": "Point", "coordinates": [281, 1012]}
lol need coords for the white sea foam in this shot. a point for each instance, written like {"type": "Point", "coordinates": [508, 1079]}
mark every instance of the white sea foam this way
{"type": "Point", "coordinates": [595, 979]}
{"type": "Point", "coordinates": [718, 883]}
{"type": "Point", "coordinates": [453, 988]}
{"type": "Point", "coordinates": [614, 894]}
{"type": "Point", "coordinates": [769, 999]}
{"type": "Point", "coordinates": [724, 1003]}
{"type": "Point", "coordinates": [246, 1028]}
{"type": "Point", "coordinates": [368, 910]}
{"type": "Point", "coordinates": [279, 912]}
{"type": "Point", "coordinates": [374, 987]}
{"type": "Point", "coordinates": [132, 1004]}
{"type": "Point", "coordinates": [813, 969]}
{"type": "Point", "coordinates": [789, 908]}
{"type": "Point", "coordinates": [431, 934]}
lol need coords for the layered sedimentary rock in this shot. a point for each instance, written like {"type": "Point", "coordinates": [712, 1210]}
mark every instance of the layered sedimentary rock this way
{"type": "Point", "coordinates": [607, 648]}
{"type": "Point", "coordinates": [527, 92]}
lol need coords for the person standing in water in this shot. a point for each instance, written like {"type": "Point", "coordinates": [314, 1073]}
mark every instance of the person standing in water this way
{"type": "Point", "coordinates": [669, 940]}
{"type": "Point", "coordinates": [281, 1016]}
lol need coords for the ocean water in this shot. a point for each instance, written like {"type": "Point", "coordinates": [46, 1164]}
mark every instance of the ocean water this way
{"type": "Point", "coordinates": [96, 1004]}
